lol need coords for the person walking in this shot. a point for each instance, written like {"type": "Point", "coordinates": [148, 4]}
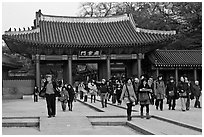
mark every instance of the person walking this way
{"type": "Point", "coordinates": [151, 86]}
{"type": "Point", "coordinates": [129, 96]}
{"type": "Point", "coordinates": [136, 84]}
{"type": "Point", "coordinates": [51, 93]}
{"type": "Point", "coordinates": [36, 92]}
{"type": "Point", "coordinates": [187, 87]}
{"type": "Point", "coordinates": [183, 89]}
{"type": "Point", "coordinates": [64, 98]}
{"type": "Point", "coordinates": [81, 88]}
{"type": "Point", "coordinates": [144, 97]}
{"type": "Point", "coordinates": [92, 90]}
{"type": "Point", "coordinates": [103, 91]}
{"type": "Point", "coordinates": [71, 93]}
{"type": "Point", "coordinates": [159, 91]}
{"type": "Point", "coordinates": [118, 90]}
{"type": "Point", "coordinates": [197, 93]}
{"type": "Point", "coordinates": [171, 92]}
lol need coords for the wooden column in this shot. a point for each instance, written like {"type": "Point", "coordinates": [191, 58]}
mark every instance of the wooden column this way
{"type": "Point", "coordinates": [195, 74]}
{"type": "Point", "coordinates": [157, 72]}
{"type": "Point", "coordinates": [176, 75]}
{"type": "Point", "coordinates": [108, 67]}
{"type": "Point", "coordinates": [37, 61]}
{"type": "Point", "coordinates": [139, 68]}
{"type": "Point", "coordinates": [70, 70]}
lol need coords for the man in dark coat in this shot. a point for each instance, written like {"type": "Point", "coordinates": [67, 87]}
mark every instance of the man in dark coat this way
{"type": "Point", "coordinates": [171, 93]}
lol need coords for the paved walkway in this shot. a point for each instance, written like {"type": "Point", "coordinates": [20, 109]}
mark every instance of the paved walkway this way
{"type": "Point", "coordinates": [77, 122]}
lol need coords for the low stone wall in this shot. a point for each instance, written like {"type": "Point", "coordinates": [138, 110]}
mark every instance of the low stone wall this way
{"type": "Point", "coordinates": [11, 93]}
{"type": "Point", "coordinates": [15, 89]}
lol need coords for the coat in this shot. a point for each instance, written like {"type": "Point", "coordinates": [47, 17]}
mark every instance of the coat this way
{"type": "Point", "coordinates": [143, 94]}
{"type": "Point", "coordinates": [56, 92]}
{"type": "Point", "coordinates": [171, 90]}
{"type": "Point", "coordinates": [184, 89]}
{"type": "Point", "coordinates": [124, 93]}
{"type": "Point", "coordinates": [159, 89]}
{"type": "Point", "coordinates": [196, 90]}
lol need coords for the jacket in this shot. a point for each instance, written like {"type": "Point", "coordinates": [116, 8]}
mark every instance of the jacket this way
{"type": "Point", "coordinates": [56, 92]}
{"type": "Point", "coordinates": [159, 89]}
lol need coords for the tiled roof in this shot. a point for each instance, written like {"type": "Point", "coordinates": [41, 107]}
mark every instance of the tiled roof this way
{"type": "Point", "coordinates": [10, 62]}
{"type": "Point", "coordinates": [89, 32]}
{"type": "Point", "coordinates": [176, 58]}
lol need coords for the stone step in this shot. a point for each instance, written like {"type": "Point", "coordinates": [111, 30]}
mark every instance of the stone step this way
{"type": "Point", "coordinates": [20, 122]}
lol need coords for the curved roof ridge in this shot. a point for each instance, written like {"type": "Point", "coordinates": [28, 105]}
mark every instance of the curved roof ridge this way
{"type": "Point", "coordinates": [162, 50]}
{"type": "Point", "coordinates": [37, 30]}
{"type": "Point", "coordinates": [156, 31]}
{"type": "Point", "coordinates": [73, 19]}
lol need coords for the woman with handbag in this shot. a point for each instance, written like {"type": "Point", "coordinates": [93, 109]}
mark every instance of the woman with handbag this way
{"type": "Point", "coordinates": [144, 91]}
{"type": "Point", "coordinates": [129, 96]}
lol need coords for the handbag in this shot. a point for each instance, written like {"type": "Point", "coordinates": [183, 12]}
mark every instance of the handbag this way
{"type": "Point", "coordinates": [42, 93]}
{"type": "Point", "coordinates": [131, 98]}
{"type": "Point", "coordinates": [171, 93]}
{"type": "Point", "coordinates": [143, 96]}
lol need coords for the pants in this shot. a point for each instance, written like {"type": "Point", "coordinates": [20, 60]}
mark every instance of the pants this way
{"type": "Point", "coordinates": [85, 98]}
{"type": "Point", "coordinates": [93, 97]}
{"type": "Point", "coordinates": [197, 102]}
{"type": "Point", "coordinates": [114, 98]}
{"type": "Point", "coordinates": [147, 109]}
{"type": "Point", "coordinates": [172, 100]}
{"type": "Point", "coordinates": [51, 104]}
{"type": "Point", "coordinates": [35, 98]}
{"type": "Point", "coordinates": [81, 94]}
{"type": "Point", "coordinates": [129, 109]}
{"type": "Point", "coordinates": [118, 94]}
{"type": "Point", "coordinates": [70, 105]}
{"type": "Point", "coordinates": [188, 103]}
{"type": "Point", "coordinates": [104, 99]}
{"type": "Point", "coordinates": [64, 104]}
{"type": "Point", "coordinates": [183, 103]}
{"type": "Point", "coordinates": [159, 103]}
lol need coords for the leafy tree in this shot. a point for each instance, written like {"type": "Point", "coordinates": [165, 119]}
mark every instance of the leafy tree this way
{"type": "Point", "coordinates": [184, 17]}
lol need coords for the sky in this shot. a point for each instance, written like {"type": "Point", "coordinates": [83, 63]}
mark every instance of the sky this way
{"type": "Point", "coordinates": [22, 14]}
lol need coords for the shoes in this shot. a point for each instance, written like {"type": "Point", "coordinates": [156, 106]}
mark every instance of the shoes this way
{"type": "Point", "coordinates": [173, 108]}
{"type": "Point", "coordinates": [148, 116]}
{"type": "Point", "coordinates": [53, 115]}
{"type": "Point", "coordinates": [129, 118]}
{"type": "Point", "coordinates": [183, 110]}
{"type": "Point", "coordinates": [157, 108]}
{"type": "Point", "coordinates": [141, 115]}
{"type": "Point", "coordinates": [49, 116]}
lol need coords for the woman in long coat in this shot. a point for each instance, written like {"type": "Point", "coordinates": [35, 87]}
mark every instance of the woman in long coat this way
{"type": "Point", "coordinates": [160, 92]}
{"type": "Point", "coordinates": [128, 93]}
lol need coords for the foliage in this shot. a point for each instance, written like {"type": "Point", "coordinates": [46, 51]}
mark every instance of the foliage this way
{"type": "Point", "coordinates": [184, 17]}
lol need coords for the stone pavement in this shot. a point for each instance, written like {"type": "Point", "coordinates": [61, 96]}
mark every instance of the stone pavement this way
{"type": "Point", "coordinates": [80, 121]}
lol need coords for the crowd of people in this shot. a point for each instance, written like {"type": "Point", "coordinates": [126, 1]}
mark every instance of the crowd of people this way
{"type": "Point", "coordinates": [144, 91]}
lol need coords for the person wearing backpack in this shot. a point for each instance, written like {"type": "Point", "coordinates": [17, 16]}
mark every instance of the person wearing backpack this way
{"type": "Point", "coordinates": [129, 96]}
